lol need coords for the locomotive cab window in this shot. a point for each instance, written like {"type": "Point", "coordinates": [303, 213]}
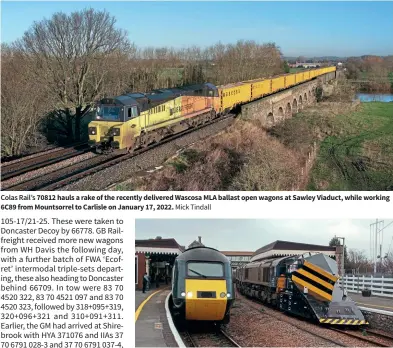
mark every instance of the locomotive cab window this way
{"type": "Point", "coordinates": [205, 269]}
{"type": "Point", "coordinates": [132, 112]}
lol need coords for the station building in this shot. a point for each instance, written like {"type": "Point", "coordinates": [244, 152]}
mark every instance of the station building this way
{"type": "Point", "coordinates": [281, 248]}
{"type": "Point", "coordinates": [155, 257]}
{"type": "Point", "coordinates": [238, 258]}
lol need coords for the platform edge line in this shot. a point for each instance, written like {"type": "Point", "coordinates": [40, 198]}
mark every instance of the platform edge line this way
{"type": "Point", "coordinates": [172, 326]}
{"type": "Point", "coordinates": [374, 310]}
{"type": "Point", "coordinates": [139, 310]}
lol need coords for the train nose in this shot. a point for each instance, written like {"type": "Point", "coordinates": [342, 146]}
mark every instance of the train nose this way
{"type": "Point", "coordinates": [206, 299]}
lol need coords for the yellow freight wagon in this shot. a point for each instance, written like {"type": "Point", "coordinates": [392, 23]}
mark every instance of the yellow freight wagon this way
{"type": "Point", "coordinates": [290, 80]}
{"type": "Point", "coordinates": [234, 94]}
{"type": "Point", "coordinates": [306, 75]}
{"type": "Point", "coordinates": [259, 88]}
{"type": "Point", "coordinates": [299, 77]}
{"type": "Point", "coordinates": [278, 83]}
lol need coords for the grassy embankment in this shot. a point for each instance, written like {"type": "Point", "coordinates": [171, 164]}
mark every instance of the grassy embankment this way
{"type": "Point", "coordinates": [356, 153]}
{"type": "Point", "coordinates": [359, 154]}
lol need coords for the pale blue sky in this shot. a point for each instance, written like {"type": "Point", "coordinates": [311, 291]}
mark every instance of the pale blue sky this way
{"type": "Point", "coordinates": [251, 234]}
{"type": "Point", "coordinates": [299, 28]}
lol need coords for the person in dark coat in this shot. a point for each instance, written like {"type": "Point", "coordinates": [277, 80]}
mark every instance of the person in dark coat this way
{"type": "Point", "coordinates": [157, 280]}
{"type": "Point", "coordinates": [145, 280]}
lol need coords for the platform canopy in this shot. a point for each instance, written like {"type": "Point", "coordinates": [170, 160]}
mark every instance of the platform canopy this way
{"type": "Point", "coordinates": [158, 246]}
{"type": "Point", "coordinates": [281, 248]}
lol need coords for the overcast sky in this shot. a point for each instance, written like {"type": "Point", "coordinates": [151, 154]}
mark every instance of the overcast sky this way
{"type": "Point", "coordinates": [250, 234]}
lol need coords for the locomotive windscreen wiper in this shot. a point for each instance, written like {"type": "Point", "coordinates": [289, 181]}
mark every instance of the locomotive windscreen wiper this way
{"type": "Point", "coordinates": [202, 275]}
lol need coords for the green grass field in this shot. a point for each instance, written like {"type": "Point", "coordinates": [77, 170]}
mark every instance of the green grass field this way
{"type": "Point", "coordinates": [359, 155]}
{"type": "Point", "coordinates": [295, 70]}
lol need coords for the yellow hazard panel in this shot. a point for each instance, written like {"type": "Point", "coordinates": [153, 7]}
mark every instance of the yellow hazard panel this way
{"type": "Point", "coordinates": [199, 307]}
{"type": "Point", "coordinates": [317, 269]}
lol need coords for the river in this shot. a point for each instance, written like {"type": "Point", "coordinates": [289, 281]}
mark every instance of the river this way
{"type": "Point", "coordinates": [369, 97]}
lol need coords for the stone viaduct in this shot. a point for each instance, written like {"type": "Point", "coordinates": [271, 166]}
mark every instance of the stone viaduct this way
{"type": "Point", "coordinates": [279, 106]}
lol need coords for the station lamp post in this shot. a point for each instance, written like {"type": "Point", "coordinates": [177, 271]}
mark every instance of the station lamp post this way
{"type": "Point", "coordinates": [343, 258]}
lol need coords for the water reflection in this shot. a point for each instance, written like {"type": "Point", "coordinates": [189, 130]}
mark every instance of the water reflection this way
{"type": "Point", "coordinates": [367, 97]}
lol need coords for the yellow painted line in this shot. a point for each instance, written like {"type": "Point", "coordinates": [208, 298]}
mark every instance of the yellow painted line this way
{"type": "Point", "coordinates": [335, 321]}
{"type": "Point", "coordinates": [342, 321]}
{"type": "Point", "coordinates": [355, 322]}
{"type": "Point", "coordinates": [349, 321]}
{"type": "Point", "coordinates": [328, 321]}
{"type": "Point", "coordinates": [372, 305]}
{"type": "Point", "coordinates": [138, 311]}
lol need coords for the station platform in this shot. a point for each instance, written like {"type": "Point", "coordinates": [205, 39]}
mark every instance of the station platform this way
{"type": "Point", "coordinates": [152, 327]}
{"type": "Point", "coordinates": [376, 302]}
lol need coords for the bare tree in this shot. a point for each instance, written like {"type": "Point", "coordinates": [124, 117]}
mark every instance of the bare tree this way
{"type": "Point", "coordinates": [357, 261]}
{"type": "Point", "coordinates": [69, 55]}
{"type": "Point", "coordinates": [24, 104]}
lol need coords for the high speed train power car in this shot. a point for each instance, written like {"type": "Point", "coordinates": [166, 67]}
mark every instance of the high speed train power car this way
{"type": "Point", "coordinates": [304, 285]}
{"type": "Point", "coordinates": [136, 120]}
{"type": "Point", "coordinates": [202, 286]}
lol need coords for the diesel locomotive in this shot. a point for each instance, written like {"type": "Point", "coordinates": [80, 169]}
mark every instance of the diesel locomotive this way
{"type": "Point", "coordinates": [136, 120]}
{"type": "Point", "coordinates": [202, 286]}
{"type": "Point", "coordinates": [304, 285]}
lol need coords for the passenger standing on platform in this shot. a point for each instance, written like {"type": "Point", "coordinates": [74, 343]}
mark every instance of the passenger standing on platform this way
{"type": "Point", "coordinates": [145, 281]}
{"type": "Point", "coordinates": [157, 280]}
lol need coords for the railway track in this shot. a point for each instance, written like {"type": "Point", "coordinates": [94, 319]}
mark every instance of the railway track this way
{"type": "Point", "coordinates": [218, 338]}
{"type": "Point", "coordinates": [387, 340]}
{"type": "Point", "coordinates": [77, 171]}
{"type": "Point", "coordinates": [66, 175]}
{"type": "Point", "coordinates": [40, 160]}
{"type": "Point", "coordinates": [299, 326]}
{"type": "Point", "coordinates": [359, 336]}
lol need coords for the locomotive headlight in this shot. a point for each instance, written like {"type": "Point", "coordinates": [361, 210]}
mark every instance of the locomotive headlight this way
{"type": "Point", "coordinates": [115, 132]}
{"type": "Point", "coordinates": [183, 294]}
{"type": "Point", "coordinates": [228, 294]}
{"type": "Point", "coordinates": [189, 294]}
{"type": "Point", "coordinates": [92, 130]}
{"type": "Point", "coordinates": [222, 295]}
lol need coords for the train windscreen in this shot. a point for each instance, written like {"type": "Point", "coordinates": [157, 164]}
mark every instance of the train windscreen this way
{"type": "Point", "coordinates": [109, 113]}
{"type": "Point", "coordinates": [205, 269]}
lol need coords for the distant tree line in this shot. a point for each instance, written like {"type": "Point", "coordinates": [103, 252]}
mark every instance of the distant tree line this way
{"type": "Point", "coordinates": [377, 71]}
{"type": "Point", "coordinates": [53, 75]}
{"type": "Point", "coordinates": [356, 261]}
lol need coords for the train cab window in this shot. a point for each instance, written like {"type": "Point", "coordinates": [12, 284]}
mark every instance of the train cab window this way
{"type": "Point", "coordinates": [205, 269]}
{"type": "Point", "coordinates": [132, 112]}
